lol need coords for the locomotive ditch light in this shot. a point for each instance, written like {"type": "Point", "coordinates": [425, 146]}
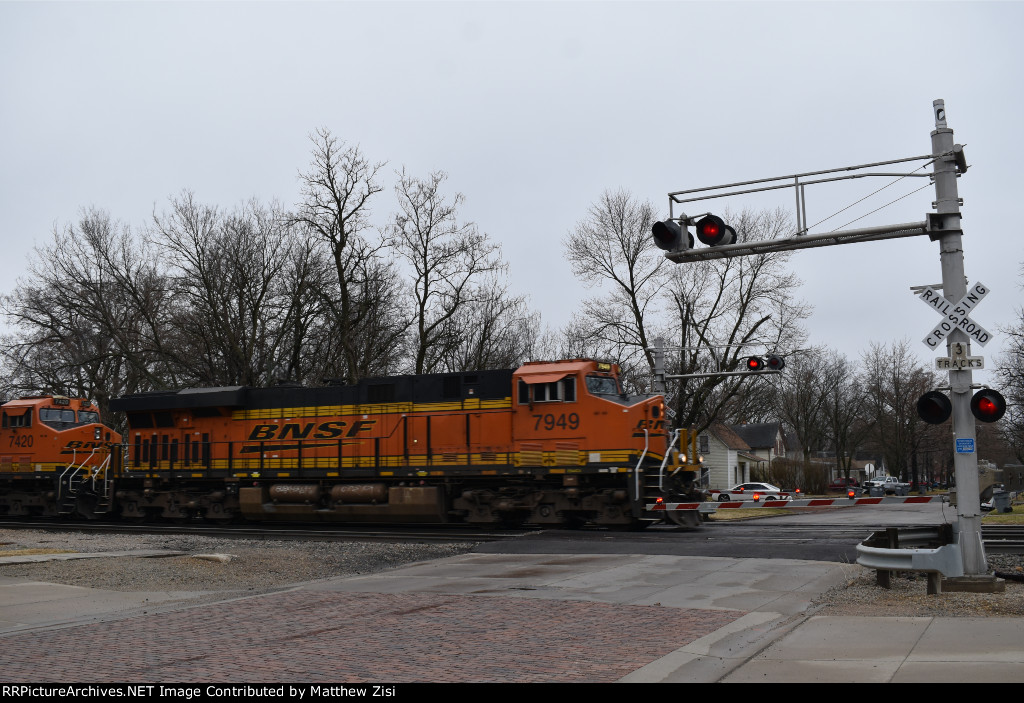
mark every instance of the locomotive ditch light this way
{"type": "Point", "coordinates": [713, 231]}
{"type": "Point", "coordinates": [670, 236]}
{"type": "Point", "coordinates": [988, 405]}
{"type": "Point", "coordinates": [935, 408]}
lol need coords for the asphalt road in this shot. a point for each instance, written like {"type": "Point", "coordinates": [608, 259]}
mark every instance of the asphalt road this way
{"type": "Point", "coordinates": [829, 535]}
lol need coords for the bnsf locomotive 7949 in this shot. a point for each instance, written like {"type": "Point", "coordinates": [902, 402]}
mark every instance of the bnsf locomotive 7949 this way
{"type": "Point", "coordinates": [549, 443]}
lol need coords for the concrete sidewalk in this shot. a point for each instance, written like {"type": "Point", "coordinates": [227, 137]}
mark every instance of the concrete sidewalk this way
{"type": "Point", "coordinates": [506, 618]}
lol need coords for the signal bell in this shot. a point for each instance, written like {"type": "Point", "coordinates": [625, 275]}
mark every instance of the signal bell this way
{"type": "Point", "coordinates": [713, 231]}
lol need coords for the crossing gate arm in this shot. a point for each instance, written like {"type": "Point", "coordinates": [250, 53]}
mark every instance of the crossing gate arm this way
{"type": "Point", "coordinates": [802, 503]}
{"type": "Point", "coordinates": [664, 507]}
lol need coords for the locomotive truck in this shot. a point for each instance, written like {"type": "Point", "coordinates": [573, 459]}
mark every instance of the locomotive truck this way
{"type": "Point", "coordinates": [549, 443]}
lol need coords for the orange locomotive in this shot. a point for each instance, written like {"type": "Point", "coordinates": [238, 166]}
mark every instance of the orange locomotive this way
{"type": "Point", "coordinates": [548, 443]}
{"type": "Point", "coordinates": [56, 458]}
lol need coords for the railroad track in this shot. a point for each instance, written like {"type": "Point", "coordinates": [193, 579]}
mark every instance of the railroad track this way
{"type": "Point", "coordinates": [282, 531]}
{"type": "Point", "coordinates": [1003, 539]}
{"type": "Point", "coordinates": [998, 539]}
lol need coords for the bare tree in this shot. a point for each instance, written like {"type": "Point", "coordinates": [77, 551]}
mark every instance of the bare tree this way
{"type": "Point", "coordinates": [802, 396]}
{"type": "Point", "coordinates": [1010, 375]}
{"type": "Point", "coordinates": [612, 248]}
{"type": "Point", "coordinates": [448, 261]}
{"type": "Point", "coordinates": [894, 381]}
{"type": "Point", "coordinates": [849, 423]}
{"type": "Point", "coordinates": [91, 316]}
{"type": "Point", "coordinates": [229, 275]}
{"type": "Point", "coordinates": [337, 189]}
{"type": "Point", "coordinates": [495, 331]}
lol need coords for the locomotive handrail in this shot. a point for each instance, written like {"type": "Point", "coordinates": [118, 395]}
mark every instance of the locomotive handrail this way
{"type": "Point", "coordinates": [664, 459]}
{"type": "Point", "coordinates": [104, 469]}
{"type": "Point", "coordinates": [636, 472]}
{"type": "Point", "coordinates": [73, 469]}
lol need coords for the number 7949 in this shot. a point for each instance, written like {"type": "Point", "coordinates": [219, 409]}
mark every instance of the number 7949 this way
{"type": "Point", "coordinates": [550, 421]}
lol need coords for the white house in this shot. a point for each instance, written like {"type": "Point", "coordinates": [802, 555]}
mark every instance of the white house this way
{"type": "Point", "coordinates": [766, 441]}
{"type": "Point", "coordinates": [727, 458]}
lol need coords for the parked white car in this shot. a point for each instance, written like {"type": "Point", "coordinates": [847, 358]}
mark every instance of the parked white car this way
{"type": "Point", "coordinates": [751, 491]}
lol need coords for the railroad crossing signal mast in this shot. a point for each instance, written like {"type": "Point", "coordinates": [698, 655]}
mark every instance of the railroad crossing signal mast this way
{"type": "Point", "coordinates": [943, 226]}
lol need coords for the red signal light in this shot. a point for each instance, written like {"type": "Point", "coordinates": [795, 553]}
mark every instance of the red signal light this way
{"type": "Point", "coordinates": [713, 231]}
{"type": "Point", "coordinates": [988, 405]}
{"type": "Point", "coordinates": [755, 363]}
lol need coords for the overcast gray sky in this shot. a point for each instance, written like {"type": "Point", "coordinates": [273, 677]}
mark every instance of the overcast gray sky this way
{"type": "Point", "coordinates": [533, 109]}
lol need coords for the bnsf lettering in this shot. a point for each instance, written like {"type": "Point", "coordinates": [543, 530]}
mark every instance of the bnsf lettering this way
{"type": "Point", "coordinates": [75, 444]}
{"type": "Point", "coordinates": [325, 430]}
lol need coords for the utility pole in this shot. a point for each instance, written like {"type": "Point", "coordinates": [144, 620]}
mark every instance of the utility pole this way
{"type": "Point", "coordinates": [946, 230]}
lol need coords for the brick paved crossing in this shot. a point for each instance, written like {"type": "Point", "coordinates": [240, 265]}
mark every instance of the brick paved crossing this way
{"type": "Point", "coordinates": [309, 637]}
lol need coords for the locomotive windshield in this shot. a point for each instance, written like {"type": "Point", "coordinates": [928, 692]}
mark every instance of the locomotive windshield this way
{"type": "Point", "coordinates": [55, 417]}
{"type": "Point", "coordinates": [603, 385]}
{"type": "Point", "coordinates": [88, 416]}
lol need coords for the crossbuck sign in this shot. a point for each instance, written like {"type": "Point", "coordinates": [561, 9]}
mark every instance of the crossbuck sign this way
{"type": "Point", "coordinates": [954, 315]}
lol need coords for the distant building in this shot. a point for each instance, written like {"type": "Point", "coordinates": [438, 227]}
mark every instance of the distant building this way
{"type": "Point", "coordinates": [766, 440]}
{"type": "Point", "coordinates": [727, 458]}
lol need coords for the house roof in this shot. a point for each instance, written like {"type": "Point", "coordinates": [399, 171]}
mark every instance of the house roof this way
{"type": "Point", "coordinates": [729, 438]}
{"type": "Point", "coordinates": [759, 436]}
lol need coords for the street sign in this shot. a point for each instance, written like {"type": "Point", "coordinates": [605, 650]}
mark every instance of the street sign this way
{"type": "Point", "coordinates": [964, 445]}
{"type": "Point", "coordinates": [954, 315]}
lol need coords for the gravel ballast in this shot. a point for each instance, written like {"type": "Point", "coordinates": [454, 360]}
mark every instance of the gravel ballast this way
{"type": "Point", "coordinates": [244, 566]}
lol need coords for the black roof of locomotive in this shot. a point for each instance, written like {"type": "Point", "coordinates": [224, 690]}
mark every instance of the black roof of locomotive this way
{"type": "Point", "coordinates": [485, 385]}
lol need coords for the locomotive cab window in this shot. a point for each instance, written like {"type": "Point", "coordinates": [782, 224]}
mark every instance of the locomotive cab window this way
{"type": "Point", "coordinates": [563, 391]}
{"type": "Point", "coordinates": [88, 416]}
{"type": "Point", "coordinates": [22, 420]}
